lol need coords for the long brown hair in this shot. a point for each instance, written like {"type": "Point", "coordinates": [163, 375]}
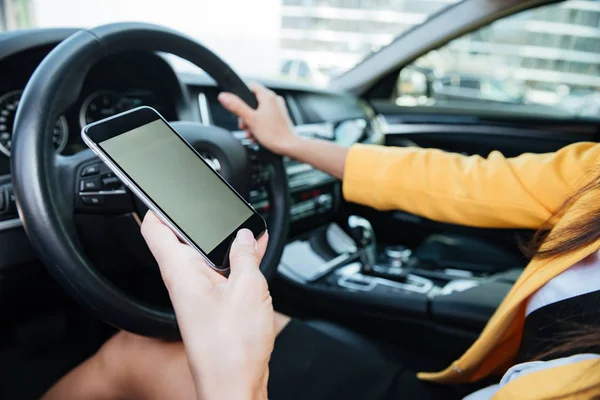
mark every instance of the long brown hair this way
{"type": "Point", "coordinates": [580, 233]}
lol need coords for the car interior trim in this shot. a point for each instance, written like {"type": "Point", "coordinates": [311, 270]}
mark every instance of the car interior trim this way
{"type": "Point", "coordinates": [426, 129]}
{"type": "Point", "coordinates": [104, 192]}
{"type": "Point", "coordinates": [10, 224]}
{"type": "Point", "coordinates": [203, 108]}
{"type": "Point", "coordinates": [365, 283]}
{"type": "Point", "coordinates": [294, 109]}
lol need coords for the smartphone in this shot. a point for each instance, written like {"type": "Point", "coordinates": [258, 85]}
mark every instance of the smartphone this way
{"type": "Point", "coordinates": [174, 181]}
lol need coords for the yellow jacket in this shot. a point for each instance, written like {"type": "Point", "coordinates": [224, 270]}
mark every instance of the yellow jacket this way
{"type": "Point", "coordinates": [493, 192]}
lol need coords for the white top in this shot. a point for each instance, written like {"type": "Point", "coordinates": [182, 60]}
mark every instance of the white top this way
{"type": "Point", "coordinates": [581, 278]}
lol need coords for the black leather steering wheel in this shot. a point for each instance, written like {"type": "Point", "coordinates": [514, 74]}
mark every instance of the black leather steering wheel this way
{"type": "Point", "coordinates": [44, 182]}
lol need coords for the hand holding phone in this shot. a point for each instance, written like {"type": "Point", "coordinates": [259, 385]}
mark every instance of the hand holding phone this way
{"type": "Point", "coordinates": [174, 181]}
{"type": "Point", "coordinates": [227, 325]}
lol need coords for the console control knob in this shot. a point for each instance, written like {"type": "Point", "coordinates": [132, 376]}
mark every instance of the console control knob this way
{"type": "Point", "coordinates": [323, 200]}
{"type": "Point", "coordinates": [363, 234]}
{"type": "Point", "coordinates": [397, 256]}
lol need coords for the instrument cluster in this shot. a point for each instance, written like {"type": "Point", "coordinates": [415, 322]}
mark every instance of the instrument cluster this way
{"type": "Point", "coordinates": [105, 103]}
{"type": "Point", "coordinates": [9, 102]}
{"type": "Point", "coordinates": [96, 106]}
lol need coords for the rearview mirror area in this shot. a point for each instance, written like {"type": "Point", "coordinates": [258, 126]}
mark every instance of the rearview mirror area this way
{"type": "Point", "coordinates": [413, 87]}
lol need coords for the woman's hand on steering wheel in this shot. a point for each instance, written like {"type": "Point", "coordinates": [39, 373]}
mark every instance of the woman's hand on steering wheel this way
{"type": "Point", "coordinates": [227, 325]}
{"type": "Point", "coordinates": [270, 123]}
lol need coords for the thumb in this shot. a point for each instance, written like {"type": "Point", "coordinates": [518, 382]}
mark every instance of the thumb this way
{"type": "Point", "coordinates": [236, 105]}
{"type": "Point", "coordinates": [244, 256]}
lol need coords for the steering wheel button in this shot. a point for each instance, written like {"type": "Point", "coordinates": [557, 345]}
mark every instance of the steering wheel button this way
{"type": "Point", "coordinates": [111, 183]}
{"type": "Point", "coordinates": [92, 200]}
{"type": "Point", "coordinates": [90, 185]}
{"type": "Point", "coordinates": [90, 170]}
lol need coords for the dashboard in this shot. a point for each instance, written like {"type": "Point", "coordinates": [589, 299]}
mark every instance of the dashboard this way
{"type": "Point", "coordinates": [112, 242]}
{"type": "Point", "coordinates": [116, 84]}
{"type": "Point", "coordinates": [314, 195]}
{"type": "Point", "coordinates": [128, 80]}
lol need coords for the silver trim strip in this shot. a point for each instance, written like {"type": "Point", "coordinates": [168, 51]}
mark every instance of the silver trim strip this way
{"type": "Point", "coordinates": [294, 109]}
{"type": "Point", "coordinates": [298, 168]}
{"type": "Point", "coordinates": [330, 265]}
{"type": "Point", "coordinates": [104, 193]}
{"type": "Point", "coordinates": [322, 271]}
{"type": "Point", "coordinates": [367, 283]}
{"type": "Point", "coordinates": [10, 224]}
{"type": "Point", "coordinates": [424, 129]}
{"type": "Point", "coordinates": [204, 110]}
{"type": "Point", "coordinates": [323, 130]}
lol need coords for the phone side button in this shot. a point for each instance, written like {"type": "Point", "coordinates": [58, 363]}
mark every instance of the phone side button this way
{"type": "Point", "coordinates": [92, 200]}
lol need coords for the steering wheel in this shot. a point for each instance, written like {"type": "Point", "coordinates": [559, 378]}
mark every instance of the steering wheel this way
{"type": "Point", "coordinates": [46, 183]}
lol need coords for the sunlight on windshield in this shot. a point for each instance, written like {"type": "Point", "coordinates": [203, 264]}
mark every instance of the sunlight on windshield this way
{"type": "Point", "coordinates": [300, 40]}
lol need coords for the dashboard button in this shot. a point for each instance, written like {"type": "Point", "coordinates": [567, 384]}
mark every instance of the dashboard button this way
{"type": "Point", "coordinates": [90, 170]}
{"type": "Point", "coordinates": [92, 200]}
{"type": "Point", "coordinates": [111, 183]}
{"type": "Point", "coordinates": [323, 200]}
{"type": "Point", "coordinates": [90, 185]}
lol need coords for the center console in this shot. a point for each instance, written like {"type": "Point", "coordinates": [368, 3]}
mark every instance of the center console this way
{"type": "Point", "coordinates": [348, 269]}
{"type": "Point", "coordinates": [348, 265]}
{"type": "Point", "coordinates": [314, 195]}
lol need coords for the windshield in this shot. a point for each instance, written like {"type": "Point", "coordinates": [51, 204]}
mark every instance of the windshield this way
{"type": "Point", "coordinates": [307, 41]}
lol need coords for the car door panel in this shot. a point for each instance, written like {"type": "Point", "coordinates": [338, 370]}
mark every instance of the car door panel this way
{"type": "Point", "coordinates": [481, 139]}
{"type": "Point", "coordinates": [511, 134]}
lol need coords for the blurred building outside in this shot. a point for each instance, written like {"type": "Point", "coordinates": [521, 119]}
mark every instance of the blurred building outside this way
{"type": "Point", "coordinates": [548, 55]}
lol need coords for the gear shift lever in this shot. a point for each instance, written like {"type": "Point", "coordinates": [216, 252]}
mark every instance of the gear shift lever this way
{"type": "Point", "coordinates": [363, 234]}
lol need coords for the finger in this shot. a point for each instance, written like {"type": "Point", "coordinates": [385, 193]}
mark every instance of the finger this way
{"type": "Point", "coordinates": [281, 101]}
{"type": "Point", "coordinates": [260, 91]}
{"type": "Point", "coordinates": [180, 265]}
{"type": "Point", "coordinates": [233, 103]}
{"type": "Point", "coordinates": [244, 255]}
{"type": "Point", "coordinates": [262, 244]}
{"type": "Point", "coordinates": [159, 237]}
{"type": "Point", "coordinates": [242, 124]}
{"type": "Point", "coordinates": [257, 87]}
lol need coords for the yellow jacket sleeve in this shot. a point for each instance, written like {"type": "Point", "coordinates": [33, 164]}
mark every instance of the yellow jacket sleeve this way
{"type": "Point", "coordinates": [494, 192]}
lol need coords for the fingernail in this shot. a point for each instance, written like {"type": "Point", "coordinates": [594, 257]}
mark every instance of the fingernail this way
{"type": "Point", "coordinates": [244, 236]}
{"type": "Point", "coordinates": [223, 97]}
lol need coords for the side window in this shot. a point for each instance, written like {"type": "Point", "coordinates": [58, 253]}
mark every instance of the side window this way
{"type": "Point", "coordinates": [547, 58]}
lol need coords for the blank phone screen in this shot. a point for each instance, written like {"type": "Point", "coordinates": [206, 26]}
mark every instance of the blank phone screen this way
{"type": "Point", "coordinates": [183, 186]}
